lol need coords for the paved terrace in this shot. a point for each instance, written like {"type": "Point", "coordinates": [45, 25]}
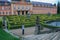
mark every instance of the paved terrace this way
{"type": "Point", "coordinates": [29, 34]}
{"type": "Point", "coordinates": [50, 36]}
{"type": "Point", "coordinates": [28, 31]}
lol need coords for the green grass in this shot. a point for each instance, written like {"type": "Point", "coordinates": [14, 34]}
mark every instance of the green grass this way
{"type": "Point", "coordinates": [0, 18]}
{"type": "Point", "coordinates": [6, 36]}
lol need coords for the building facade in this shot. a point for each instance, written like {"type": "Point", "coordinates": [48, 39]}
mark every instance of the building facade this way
{"type": "Point", "coordinates": [5, 8]}
{"type": "Point", "coordinates": [22, 7]}
{"type": "Point", "coordinates": [44, 8]}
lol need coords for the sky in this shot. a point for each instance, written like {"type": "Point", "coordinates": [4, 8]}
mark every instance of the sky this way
{"type": "Point", "coordinates": [47, 1]}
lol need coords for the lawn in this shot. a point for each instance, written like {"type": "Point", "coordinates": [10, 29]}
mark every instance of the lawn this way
{"type": "Point", "coordinates": [6, 36]}
{"type": "Point", "coordinates": [17, 21]}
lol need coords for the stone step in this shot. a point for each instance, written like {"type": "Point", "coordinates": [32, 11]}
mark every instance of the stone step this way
{"type": "Point", "coordinates": [50, 36]}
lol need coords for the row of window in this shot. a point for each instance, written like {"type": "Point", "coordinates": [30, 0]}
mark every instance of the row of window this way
{"type": "Point", "coordinates": [21, 8]}
{"type": "Point", "coordinates": [5, 13]}
{"type": "Point", "coordinates": [43, 5]}
{"type": "Point", "coordinates": [5, 8]}
{"type": "Point", "coordinates": [41, 8]}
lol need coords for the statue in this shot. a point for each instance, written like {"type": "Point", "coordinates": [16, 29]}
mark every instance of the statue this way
{"type": "Point", "coordinates": [28, 15]}
{"type": "Point", "coordinates": [4, 22]}
{"type": "Point", "coordinates": [37, 30]}
{"type": "Point", "coordinates": [22, 29]}
{"type": "Point", "coordinates": [49, 13]}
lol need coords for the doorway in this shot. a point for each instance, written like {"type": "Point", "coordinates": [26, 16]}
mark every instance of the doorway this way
{"type": "Point", "coordinates": [18, 12]}
{"type": "Point", "coordinates": [26, 12]}
{"type": "Point", "coordinates": [22, 12]}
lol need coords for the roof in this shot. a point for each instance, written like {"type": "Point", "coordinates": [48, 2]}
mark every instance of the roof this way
{"type": "Point", "coordinates": [42, 3]}
{"type": "Point", "coordinates": [15, 0]}
{"type": "Point", "coordinates": [3, 0]}
{"type": "Point", "coordinates": [27, 0]}
{"type": "Point", "coordinates": [2, 3]}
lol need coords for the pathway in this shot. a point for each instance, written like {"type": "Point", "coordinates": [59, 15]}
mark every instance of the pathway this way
{"type": "Point", "coordinates": [28, 31]}
{"type": "Point", "coordinates": [50, 36]}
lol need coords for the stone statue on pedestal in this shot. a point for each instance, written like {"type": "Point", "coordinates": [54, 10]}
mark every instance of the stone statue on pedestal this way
{"type": "Point", "coordinates": [37, 28]}
{"type": "Point", "coordinates": [23, 29]}
{"type": "Point", "coordinates": [4, 22]}
{"type": "Point", "coordinates": [28, 15]}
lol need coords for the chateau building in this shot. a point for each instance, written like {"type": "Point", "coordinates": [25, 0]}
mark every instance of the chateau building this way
{"type": "Point", "coordinates": [22, 7]}
{"type": "Point", "coordinates": [5, 8]}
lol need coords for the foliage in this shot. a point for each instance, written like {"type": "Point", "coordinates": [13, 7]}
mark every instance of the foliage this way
{"type": "Point", "coordinates": [58, 7]}
{"type": "Point", "coordinates": [17, 21]}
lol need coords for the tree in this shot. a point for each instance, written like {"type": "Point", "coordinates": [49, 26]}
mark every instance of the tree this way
{"type": "Point", "coordinates": [55, 4]}
{"type": "Point", "coordinates": [58, 7]}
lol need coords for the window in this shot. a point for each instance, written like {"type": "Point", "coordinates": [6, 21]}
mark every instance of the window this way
{"type": "Point", "coordinates": [41, 5]}
{"type": "Point", "coordinates": [0, 12]}
{"type": "Point", "coordinates": [2, 8]}
{"type": "Point", "coordinates": [3, 12]}
{"type": "Point", "coordinates": [6, 8]}
{"type": "Point", "coordinates": [48, 6]}
{"type": "Point", "coordinates": [34, 4]}
{"type": "Point", "coordinates": [18, 7]}
{"type": "Point", "coordinates": [44, 5]}
{"type": "Point", "coordinates": [27, 8]}
{"type": "Point", "coordinates": [6, 13]}
{"type": "Point", "coordinates": [14, 13]}
{"type": "Point", "coordinates": [9, 12]}
{"type": "Point", "coordinates": [22, 7]}
{"type": "Point", "coordinates": [14, 8]}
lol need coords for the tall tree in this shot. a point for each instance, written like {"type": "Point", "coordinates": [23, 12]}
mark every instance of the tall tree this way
{"type": "Point", "coordinates": [58, 8]}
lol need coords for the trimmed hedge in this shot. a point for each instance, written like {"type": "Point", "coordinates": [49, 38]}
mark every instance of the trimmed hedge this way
{"type": "Point", "coordinates": [18, 20]}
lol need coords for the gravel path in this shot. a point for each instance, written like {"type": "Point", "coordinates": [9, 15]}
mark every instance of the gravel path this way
{"type": "Point", "coordinates": [50, 36]}
{"type": "Point", "coordinates": [28, 31]}
{"type": "Point", "coordinates": [29, 34]}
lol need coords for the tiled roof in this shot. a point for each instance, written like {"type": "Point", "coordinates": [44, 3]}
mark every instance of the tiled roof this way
{"type": "Point", "coordinates": [19, 0]}
{"type": "Point", "coordinates": [27, 0]}
{"type": "Point", "coordinates": [3, 0]}
{"type": "Point", "coordinates": [15, 0]}
{"type": "Point", "coordinates": [2, 3]}
{"type": "Point", "coordinates": [42, 3]}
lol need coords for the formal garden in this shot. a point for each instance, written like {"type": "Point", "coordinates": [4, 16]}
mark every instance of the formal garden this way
{"type": "Point", "coordinates": [15, 22]}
